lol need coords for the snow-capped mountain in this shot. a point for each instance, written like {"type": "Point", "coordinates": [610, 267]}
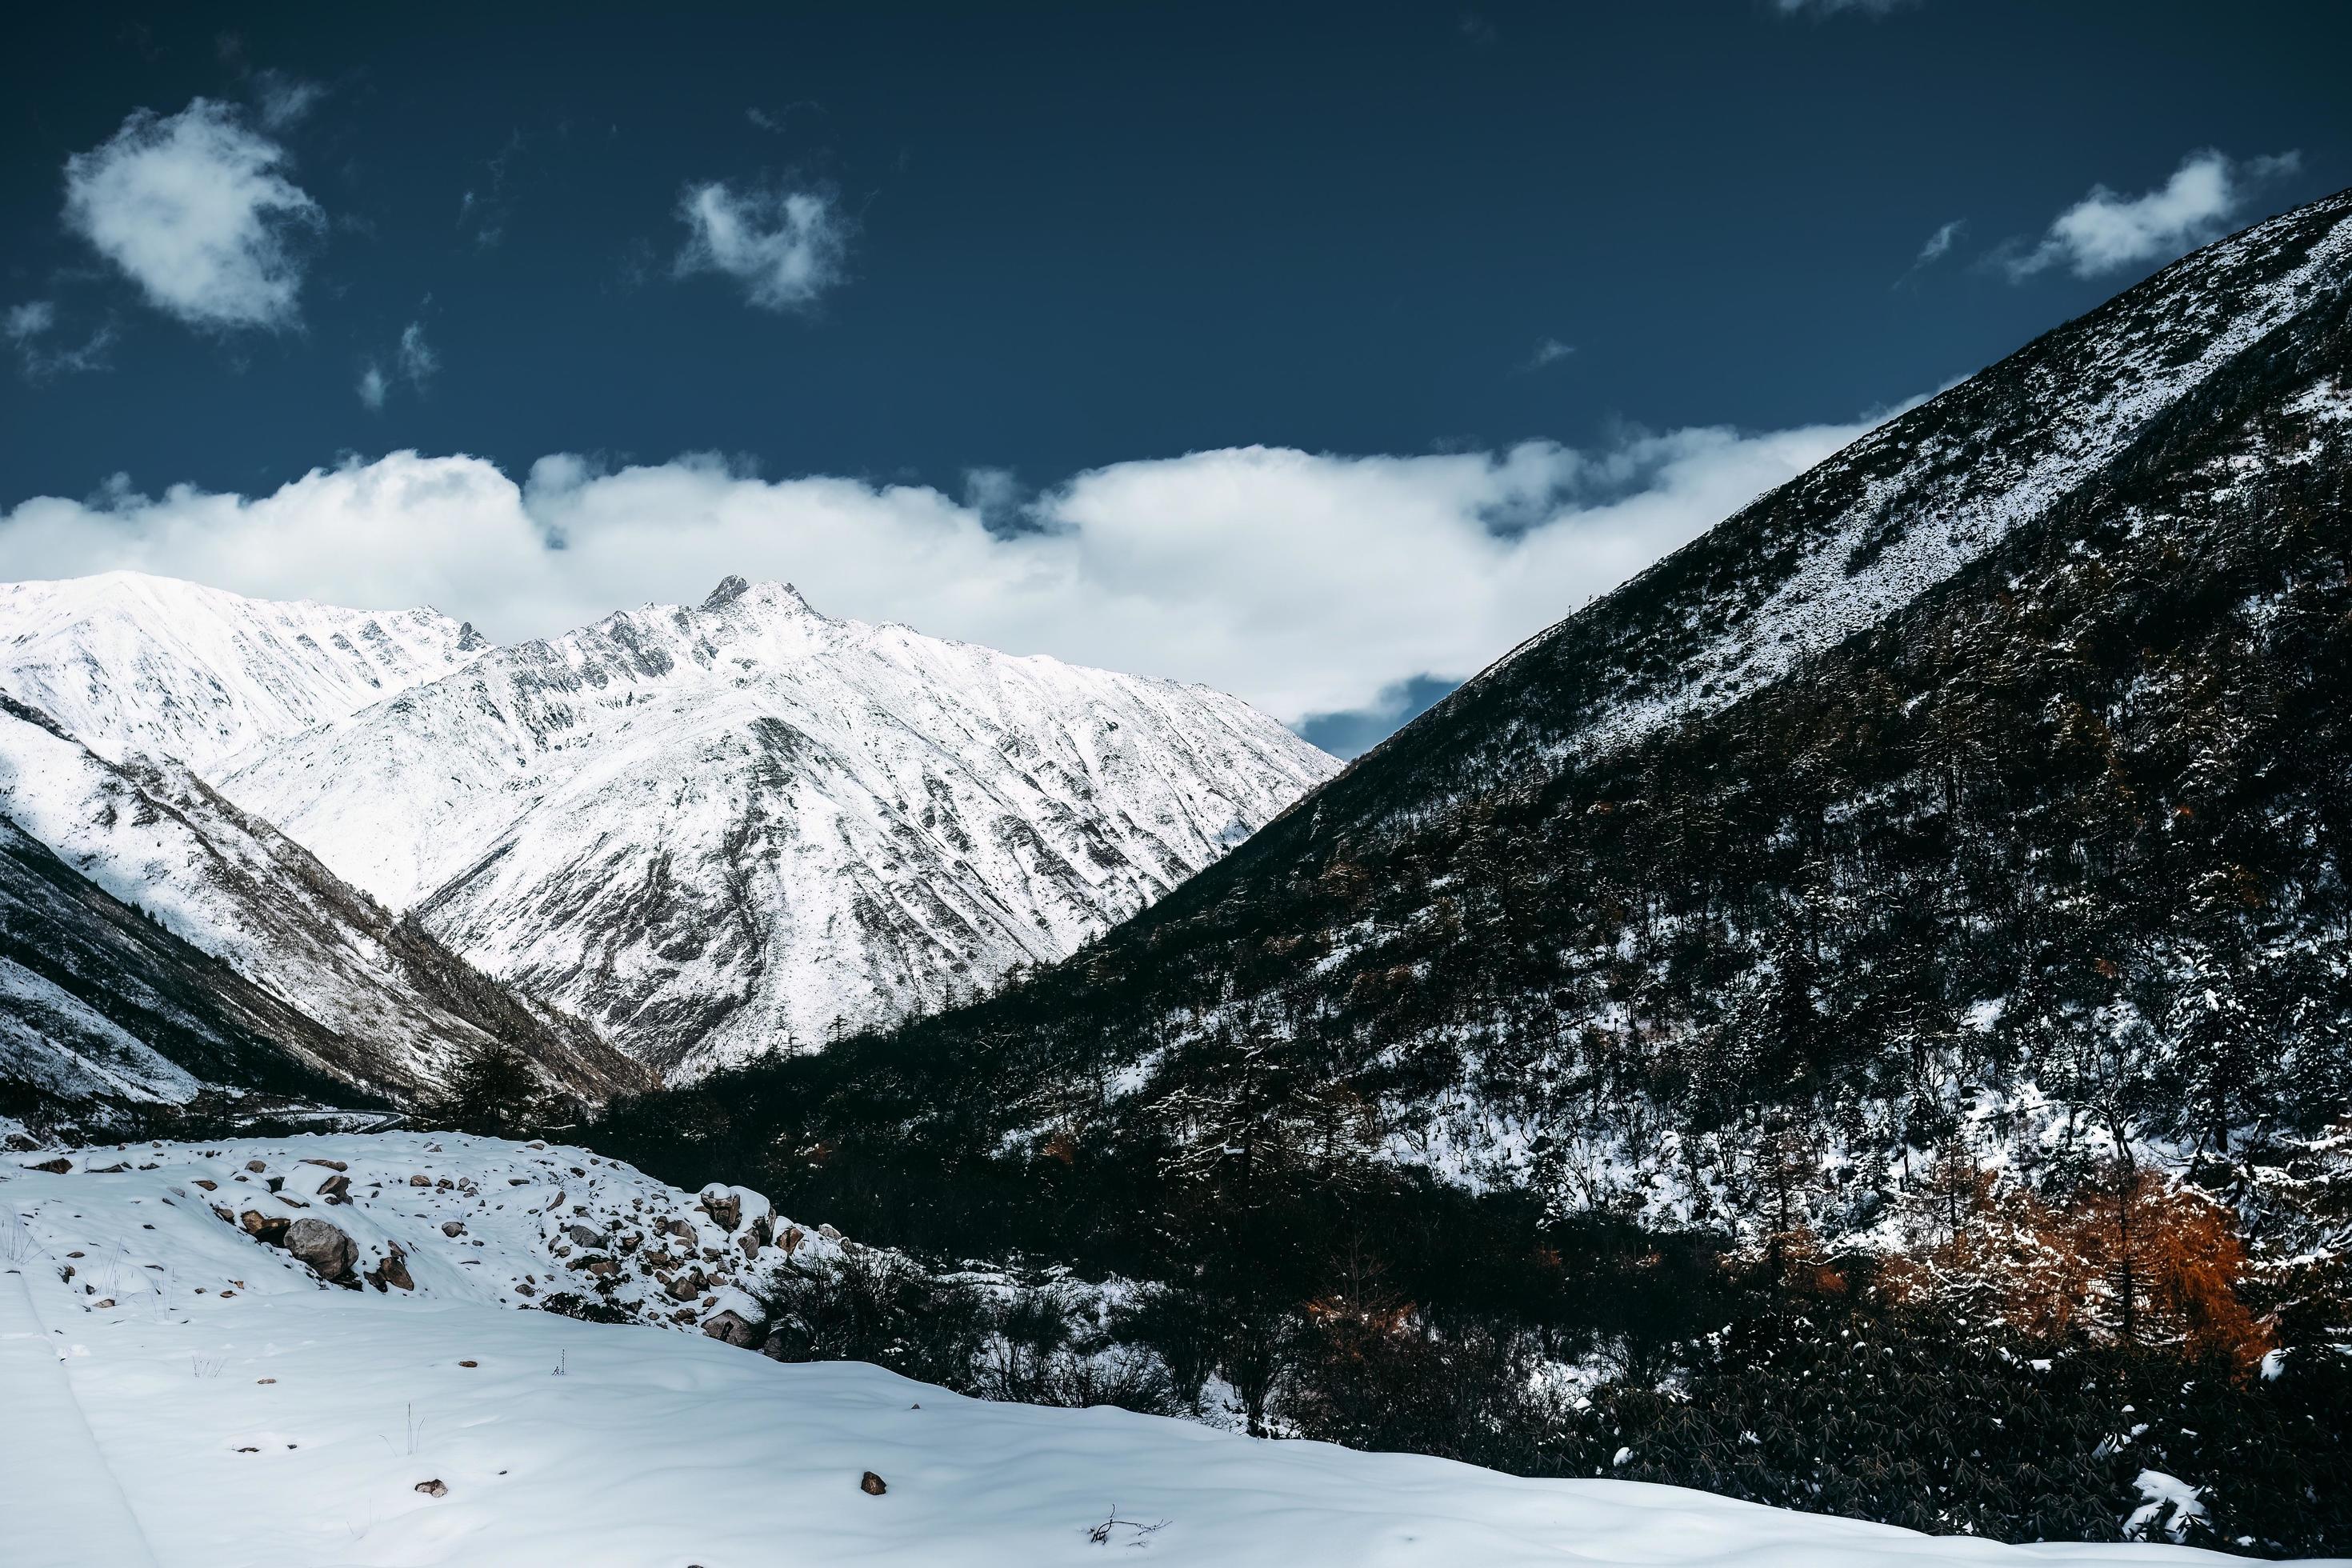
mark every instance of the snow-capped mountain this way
{"type": "Point", "coordinates": [384, 1006]}
{"type": "Point", "coordinates": [134, 664]}
{"type": "Point", "coordinates": [718, 829]}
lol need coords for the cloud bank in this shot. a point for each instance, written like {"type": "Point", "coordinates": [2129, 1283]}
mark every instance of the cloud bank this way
{"type": "Point", "coordinates": [1310, 584]}
{"type": "Point", "coordinates": [2105, 232]}
{"type": "Point", "coordinates": [193, 209]}
{"type": "Point", "coordinates": [785, 247]}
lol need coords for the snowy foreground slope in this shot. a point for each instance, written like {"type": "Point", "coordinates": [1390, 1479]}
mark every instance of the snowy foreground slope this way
{"type": "Point", "coordinates": [709, 830]}
{"type": "Point", "coordinates": [131, 663]}
{"type": "Point", "coordinates": [191, 1396]}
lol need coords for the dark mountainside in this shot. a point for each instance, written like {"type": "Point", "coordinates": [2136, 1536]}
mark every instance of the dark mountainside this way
{"type": "Point", "coordinates": [383, 1011]}
{"type": "Point", "coordinates": [82, 970]}
{"type": "Point", "coordinates": [1883, 975]}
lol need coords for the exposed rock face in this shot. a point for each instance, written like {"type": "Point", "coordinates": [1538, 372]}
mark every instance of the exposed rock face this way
{"type": "Point", "coordinates": [328, 1252]}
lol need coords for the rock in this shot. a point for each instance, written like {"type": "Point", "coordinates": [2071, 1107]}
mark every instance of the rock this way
{"type": "Point", "coordinates": [586, 1236]}
{"type": "Point", "coordinates": [433, 1488]}
{"type": "Point", "coordinates": [393, 1271]}
{"type": "Point", "coordinates": [54, 1167]}
{"type": "Point", "coordinates": [420, 1180]}
{"type": "Point", "coordinates": [469, 1363]}
{"type": "Point", "coordinates": [794, 1237]}
{"type": "Point", "coordinates": [336, 1189]}
{"type": "Point", "coordinates": [224, 1214]}
{"type": "Point", "coordinates": [681, 1230]}
{"type": "Point", "coordinates": [325, 1247]}
{"type": "Point", "coordinates": [524, 1290]}
{"type": "Point", "coordinates": [730, 1327]}
{"type": "Point", "coordinates": [872, 1485]}
{"type": "Point", "coordinates": [268, 1229]}
{"type": "Point", "coordinates": [686, 1286]}
{"type": "Point", "coordinates": [330, 1165]}
{"type": "Point", "coordinates": [277, 1184]}
{"type": "Point", "coordinates": [827, 1232]}
{"type": "Point", "coordinates": [761, 1232]}
{"type": "Point", "coordinates": [453, 1227]}
{"type": "Point", "coordinates": [749, 1243]}
{"type": "Point", "coordinates": [603, 1268]}
{"type": "Point", "coordinates": [209, 1183]}
{"type": "Point", "coordinates": [725, 1209]}
{"type": "Point", "coordinates": [256, 1166]}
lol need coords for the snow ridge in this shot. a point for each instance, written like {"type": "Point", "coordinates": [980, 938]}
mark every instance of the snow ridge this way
{"type": "Point", "coordinates": [136, 664]}
{"type": "Point", "coordinates": [716, 830]}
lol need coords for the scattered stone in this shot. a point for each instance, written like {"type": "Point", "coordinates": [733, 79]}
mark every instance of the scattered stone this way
{"type": "Point", "coordinates": [54, 1167]}
{"type": "Point", "coordinates": [872, 1485]}
{"type": "Point", "coordinates": [420, 1180]}
{"type": "Point", "coordinates": [249, 1450]}
{"type": "Point", "coordinates": [469, 1363]}
{"type": "Point", "coordinates": [730, 1327]}
{"type": "Point", "coordinates": [103, 1302]}
{"type": "Point", "coordinates": [336, 1189]}
{"type": "Point", "coordinates": [586, 1236]}
{"type": "Point", "coordinates": [73, 1255]}
{"type": "Point", "coordinates": [393, 1271]}
{"type": "Point", "coordinates": [265, 1380]}
{"type": "Point", "coordinates": [209, 1183]}
{"type": "Point", "coordinates": [277, 1184]}
{"type": "Point", "coordinates": [453, 1227]}
{"type": "Point", "coordinates": [114, 1170]}
{"type": "Point", "coordinates": [433, 1488]}
{"type": "Point", "coordinates": [225, 1294]}
{"type": "Point", "coordinates": [330, 1165]}
{"type": "Point", "coordinates": [325, 1247]}
{"type": "Point", "coordinates": [256, 1166]}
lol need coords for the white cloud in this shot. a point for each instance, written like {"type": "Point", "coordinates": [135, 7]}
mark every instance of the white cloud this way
{"type": "Point", "coordinates": [1834, 7]}
{"type": "Point", "coordinates": [417, 360]}
{"type": "Point", "coordinates": [372, 386]}
{"type": "Point", "coordinates": [1547, 350]}
{"type": "Point", "coordinates": [29, 320]}
{"type": "Point", "coordinates": [1307, 583]}
{"type": "Point", "coordinates": [191, 207]}
{"type": "Point", "coordinates": [285, 100]}
{"type": "Point", "coordinates": [785, 247]}
{"type": "Point", "coordinates": [1940, 244]}
{"type": "Point", "coordinates": [28, 327]}
{"type": "Point", "coordinates": [2105, 231]}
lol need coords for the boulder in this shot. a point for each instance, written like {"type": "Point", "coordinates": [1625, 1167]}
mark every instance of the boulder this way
{"type": "Point", "coordinates": [325, 1247]}
{"type": "Point", "coordinates": [827, 1232]}
{"type": "Point", "coordinates": [209, 1185]}
{"type": "Point", "coordinates": [420, 1180]}
{"type": "Point", "coordinates": [256, 1166]}
{"type": "Point", "coordinates": [730, 1327]}
{"type": "Point", "coordinates": [725, 1209]}
{"type": "Point", "coordinates": [393, 1271]}
{"type": "Point", "coordinates": [336, 1189]}
{"type": "Point", "coordinates": [54, 1167]}
{"type": "Point", "coordinates": [433, 1488]}
{"type": "Point", "coordinates": [453, 1227]}
{"type": "Point", "coordinates": [586, 1236]}
{"type": "Point", "coordinates": [269, 1228]}
{"type": "Point", "coordinates": [792, 1237]}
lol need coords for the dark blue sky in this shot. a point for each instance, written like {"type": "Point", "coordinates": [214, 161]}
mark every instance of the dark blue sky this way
{"type": "Point", "coordinates": [1091, 232]}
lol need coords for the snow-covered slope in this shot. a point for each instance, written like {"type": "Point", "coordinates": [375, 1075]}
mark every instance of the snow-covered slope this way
{"type": "Point", "coordinates": [713, 830]}
{"type": "Point", "coordinates": [188, 1394]}
{"type": "Point", "coordinates": [394, 1011]}
{"type": "Point", "coordinates": [131, 663]}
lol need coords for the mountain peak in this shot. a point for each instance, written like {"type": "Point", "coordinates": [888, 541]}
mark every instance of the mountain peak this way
{"type": "Point", "coordinates": [734, 587]}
